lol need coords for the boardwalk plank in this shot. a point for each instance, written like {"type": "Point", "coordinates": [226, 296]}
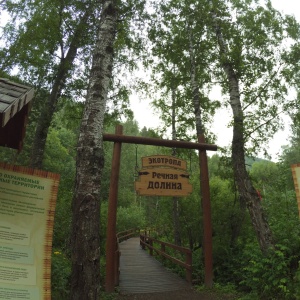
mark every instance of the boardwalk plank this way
{"type": "Point", "coordinates": [141, 273]}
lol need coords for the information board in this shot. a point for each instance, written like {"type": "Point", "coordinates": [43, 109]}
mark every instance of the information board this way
{"type": "Point", "coordinates": [27, 206]}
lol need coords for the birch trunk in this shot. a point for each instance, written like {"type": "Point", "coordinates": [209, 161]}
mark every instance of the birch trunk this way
{"type": "Point", "coordinates": [195, 87]}
{"type": "Point", "coordinates": [204, 181]}
{"type": "Point", "coordinates": [85, 239]}
{"type": "Point", "coordinates": [176, 222]}
{"type": "Point", "coordinates": [245, 188]}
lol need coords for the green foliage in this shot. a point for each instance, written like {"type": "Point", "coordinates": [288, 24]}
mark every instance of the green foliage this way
{"type": "Point", "coordinates": [68, 115]}
{"type": "Point", "coordinates": [38, 36]}
{"type": "Point", "coordinates": [221, 292]}
{"type": "Point", "coordinates": [225, 207]}
{"type": "Point", "coordinates": [60, 148]}
{"type": "Point", "coordinates": [109, 296]}
{"type": "Point", "coordinates": [172, 23]}
{"type": "Point", "coordinates": [264, 173]}
{"type": "Point", "coordinates": [60, 158]}
{"type": "Point", "coordinates": [198, 265]}
{"type": "Point", "coordinates": [130, 217]}
{"type": "Point", "coordinates": [279, 201]}
{"type": "Point", "coordinates": [268, 276]}
{"type": "Point", "coordinates": [297, 280]}
{"type": "Point", "coordinates": [221, 289]}
{"type": "Point", "coordinates": [60, 275]}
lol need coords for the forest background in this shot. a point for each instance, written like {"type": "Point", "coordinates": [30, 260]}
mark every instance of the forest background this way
{"type": "Point", "coordinates": [246, 48]}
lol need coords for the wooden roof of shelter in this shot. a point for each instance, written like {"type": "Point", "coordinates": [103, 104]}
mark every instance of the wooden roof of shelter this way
{"type": "Point", "coordinates": [14, 108]}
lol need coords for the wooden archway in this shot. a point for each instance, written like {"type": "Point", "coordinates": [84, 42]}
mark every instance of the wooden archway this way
{"type": "Point", "coordinates": [118, 138]}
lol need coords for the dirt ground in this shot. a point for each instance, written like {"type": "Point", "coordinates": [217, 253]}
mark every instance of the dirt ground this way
{"type": "Point", "coordinates": [188, 294]}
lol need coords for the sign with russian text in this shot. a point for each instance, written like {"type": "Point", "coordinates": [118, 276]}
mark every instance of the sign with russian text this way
{"type": "Point", "coordinates": [160, 180]}
{"type": "Point", "coordinates": [164, 161]}
{"type": "Point", "coordinates": [296, 177]}
{"type": "Point", "coordinates": [27, 206]}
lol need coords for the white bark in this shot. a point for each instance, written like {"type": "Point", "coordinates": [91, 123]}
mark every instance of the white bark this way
{"type": "Point", "coordinates": [195, 86]}
{"type": "Point", "coordinates": [246, 190]}
{"type": "Point", "coordinates": [85, 240]}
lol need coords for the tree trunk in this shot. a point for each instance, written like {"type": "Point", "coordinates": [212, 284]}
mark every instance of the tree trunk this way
{"type": "Point", "coordinates": [207, 235]}
{"type": "Point", "coordinates": [237, 222]}
{"type": "Point", "coordinates": [176, 223]}
{"type": "Point", "coordinates": [85, 239]}
{"type": "Point", "coordinates": [195, 86]}
{"type": "Point", "coordinates": [245, 188]}
{"type": "Point", "coordinates": [48, 110]}
{"type": "Point", "coordinates": [190, 236]}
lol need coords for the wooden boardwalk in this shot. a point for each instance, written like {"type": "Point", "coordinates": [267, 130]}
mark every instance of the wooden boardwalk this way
{"type": "Point", "coordinates": [141, 273]}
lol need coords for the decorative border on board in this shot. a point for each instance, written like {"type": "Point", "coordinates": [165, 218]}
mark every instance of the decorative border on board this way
{"type": "Point", "coordinates": [49, 221]}
{"type": "Point", "coordinates": [296, 180]}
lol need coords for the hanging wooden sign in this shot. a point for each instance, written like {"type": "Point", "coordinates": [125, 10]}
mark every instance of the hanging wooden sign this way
{"type": "Point", "coordinates": [159, 180]}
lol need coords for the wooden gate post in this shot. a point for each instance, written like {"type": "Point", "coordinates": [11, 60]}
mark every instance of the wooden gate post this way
{"type": "Point", "coordinates": [206, 206]}
{"type": "Point", "coordinates": [112, 215]}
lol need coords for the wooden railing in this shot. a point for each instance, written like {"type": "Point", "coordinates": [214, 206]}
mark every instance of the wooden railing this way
{"type": "Point", "coordinates": [147, 242]}
{"type": "Point", "coordinates": [127, 234]}
{"type": "Point", "coordinates": [120, 237]}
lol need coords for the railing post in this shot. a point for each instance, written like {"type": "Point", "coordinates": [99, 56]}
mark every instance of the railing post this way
{"type": "Point", "coordinates": [142, 241]}
{"type": "Point", "coordinates": [189, 271]}
{"type": "Point", "coordinates": [151, 244]}
{"type": "Point", "coordinates": [163, 249]}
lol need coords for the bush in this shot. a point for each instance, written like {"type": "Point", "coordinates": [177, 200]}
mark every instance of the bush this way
{"type": "Point", "coordinates": [269, 276]}
{"type": "Point", "coordinates": [198, 265]}
{"type": "Point", "coordinates": [297, 283]}
{"type": "Point", "coordinates": [60, 276]}
{"type": "Point", "coordinates": [130, 217]}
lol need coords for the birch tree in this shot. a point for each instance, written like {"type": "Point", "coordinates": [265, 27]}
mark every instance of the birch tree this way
{"type": "Point", "coordinates": [249, 66]}
{"type": "Point", "coordinates": [64, 68]}
{"type": "Point", "coordinates": [43, 40]}
{"type": "Point", "coordinates": [49, 44]}
{"type": "Point", "coordinates": [85, 236]}
{"type": "Point", "coordinates": [113, 36]}
{"type": "Point", "coordinates": [179, 43]}
{"type": "Point", "coordinates": [250, 44]}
